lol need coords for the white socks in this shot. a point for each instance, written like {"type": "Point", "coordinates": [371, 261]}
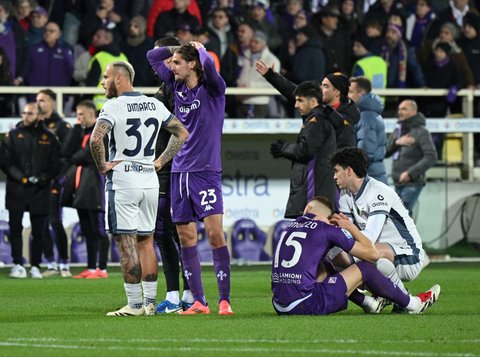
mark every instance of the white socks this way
{"type": "Point", "coordinates": [173, 297]}
{"type": "Point", "coordinates": [187, 296]}
{"type": "Point", "coordinates": [134, 295]}
{"type": "Point", "coordinates": [387, 268]}
{"type": "Point", "coordinates": [149, 292]}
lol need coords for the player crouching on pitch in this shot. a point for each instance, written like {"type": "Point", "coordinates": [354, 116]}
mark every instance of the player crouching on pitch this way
{"type": "Point", "coordinates": [305, 283]}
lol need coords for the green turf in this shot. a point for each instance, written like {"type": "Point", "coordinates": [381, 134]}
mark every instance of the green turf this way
{"type": "Point", "coordinates": [66, 317]}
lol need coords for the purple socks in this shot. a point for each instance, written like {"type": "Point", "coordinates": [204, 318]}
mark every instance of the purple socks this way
{"type": "Point", "coordinates": [221, 264]}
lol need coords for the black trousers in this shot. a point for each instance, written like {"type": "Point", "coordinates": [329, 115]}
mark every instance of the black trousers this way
{"type": "Point", "coordinates": [55, 220]}
{"type": "Point", "coordinates": [168, 243]}
{"type": "Point", "coordinates": [38, 222]}
{"type": "Point", "coordinates": [92, 223]}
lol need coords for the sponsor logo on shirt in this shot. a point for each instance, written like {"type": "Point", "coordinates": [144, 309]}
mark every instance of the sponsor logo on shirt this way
{"type": "Point", "coordinates": [347, 233]}
{"type": "Point", "coordinates": [132, 167]}
{"type": "Point", "coordinates": [188, 108]}
{"type": "Point", "coordinates": [332, 280]}
{"type": "Point", "coordinates": [287, 278]}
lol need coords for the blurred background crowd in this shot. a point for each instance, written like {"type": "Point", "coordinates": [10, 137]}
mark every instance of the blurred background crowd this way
{"type": "Point", "coordinates": [395, 43]}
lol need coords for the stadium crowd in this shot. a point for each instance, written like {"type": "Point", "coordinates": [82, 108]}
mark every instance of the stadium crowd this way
{"type": "Point", "coordinates": [396, 44]}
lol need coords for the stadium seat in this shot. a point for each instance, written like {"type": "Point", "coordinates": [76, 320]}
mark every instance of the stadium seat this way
{"type": "Point", "coordinates": [248, 241]}
{"type": "Point", "coordinates": [5, 247]}
{"type": "Point", "coordinates": [79, 245]}
{"type": "Point", "coordinates": [277, 232]}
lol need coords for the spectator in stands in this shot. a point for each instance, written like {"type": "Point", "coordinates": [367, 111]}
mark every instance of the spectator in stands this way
{"type": "Point", "coordinates": [308, 62]}
{"type": "Point", "coordinates": [50, 61]}
{"type": "Point", "coordinates": [335, 94]}
{"type": "Point", "coordinates": [374, 34]}
{"type": "Point", "coordinates": [12, 40]}
{"type": "Point", "coordinates": [382, 9]}
{"type": "Point", "coordinates": [109, 14]}
{"type": "Point", "coordinates": [105, 53]}
{"type": "Point", "coordinates": [411, 147]}
{"type": "Point", "coordinates": [22, 13]}
{"type": "Point", "coordinates": [403, 68]}
{"type": "Point", "coordinates": [418, 22]}
{"type": "Point", "coordinates": [29, 156]}
{"type": "Point", "coordinates": [311, 175]}
{"type": "Point", "coordinates": [348, 17]}
{"type": "Point", "coordinates": [167, 21]}
{"type": "Point", "coordinates": [370, 130]}
{"type": "Point", "coordinates": [6, 100]}
{"type": "Point", "coordinates": [470, 44]}
{"type": "Point", "coordinates": [454, 12]}
{"type": "Point", "coordinates": [373, 67]}
{"type": "Point", "coordinates": [57, 125]}
{"type": "Point", "coordinates": [254, 106]}
{"type": "Point", "coordinates": [38, 21]}
{"type": "Point", "coordinates": [203, 36]}
{"type": "Point", "coordinates": [338, 57]}
{"type": "Point", "coordinates": [266, 24]}
{"type": "Point", "coordinates": [220, 32]}
{"type": "Point", "coordinates": [135, 47]}
{"type": "Point", "coordinates": [286, 19]}
{"type": "Point", "coordinates": [160, 6]}
{"type": "Point", "coordinates": [84, 191]}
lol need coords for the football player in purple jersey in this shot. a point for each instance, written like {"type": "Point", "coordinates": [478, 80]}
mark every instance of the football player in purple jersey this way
{"type": "Point", "coordinates": [304, 282]}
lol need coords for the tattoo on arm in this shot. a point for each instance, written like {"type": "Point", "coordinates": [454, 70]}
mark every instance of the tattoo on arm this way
{"type": "Point", "coordinates": [180, 135]}
{"type": "Point", "coordinates": [97, 146]}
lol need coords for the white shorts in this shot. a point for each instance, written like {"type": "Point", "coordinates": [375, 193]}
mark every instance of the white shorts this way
{"type": "Point", "coordinates": [132, 211]}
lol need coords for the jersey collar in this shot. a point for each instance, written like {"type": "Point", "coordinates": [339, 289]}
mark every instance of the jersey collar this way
{"type": "Point", "coordinates": [131, 94]}
{"type": "Point", "coordinates": [362, 188]}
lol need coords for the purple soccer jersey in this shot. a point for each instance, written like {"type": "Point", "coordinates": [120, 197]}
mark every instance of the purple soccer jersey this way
{"type": "Point", "coordinates": [200, 109]}
{"type": "Point", "coordinates": [301, 249]}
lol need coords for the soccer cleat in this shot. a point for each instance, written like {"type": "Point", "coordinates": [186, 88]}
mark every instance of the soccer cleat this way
{"type": "Point", "coordinates": [378, 305]}
{"type": "Point", "coordinates": [150, 310]}
{"type": "Point", "coordinates": [98, 274]}
{"type": "Point", "coordinates": [427, 299]}
{"type": "Point", "coordinates": [196, 309]}
{"type": "Point", "coordinates": [35, 273]}
{"type": "Point", "coordinates": [18, 272]}
{"type": "Point", "coordinates": [127, 311]}
{"type": "Point", "coordinates": [50, 272]}
{"type": "Point", "coordinates": [167, 307]}
{"type": "Point", "coordinates": [83, 274]}
{"type": "Point", "coordinates": [225, 308]}
{"type": "Point", "coordinates": [65, 273]}
{"type": "Point", "coordinates": [185, 305]}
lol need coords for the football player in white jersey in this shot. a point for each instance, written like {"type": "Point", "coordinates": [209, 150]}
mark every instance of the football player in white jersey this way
{"type": "Point", "coordinates": [132, 122]}
{"type": "Point", "coordinates": [381, 216]}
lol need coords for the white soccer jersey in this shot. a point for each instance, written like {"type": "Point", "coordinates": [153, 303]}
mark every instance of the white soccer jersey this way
{"type": "Point", "coordinates": [136, 120]}
{"type": "Point", "coordinates": [399, 230]}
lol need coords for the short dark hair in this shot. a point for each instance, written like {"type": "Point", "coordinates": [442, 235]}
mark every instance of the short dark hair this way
{"type": "Point", "coordinates": [49, 92]}
{"type": "Point", "coordinates": [167, 41]}
{"type": "Point", "coordinates": [351, 157]}
{"type": "Point", "coordinates": [309, 89]}
{"type": "Point", "coordinates": [363, 83]}
{"type": "Point", "coordinates": [190, 54]}
{"type": "Point", "coordinates": [87, 104]}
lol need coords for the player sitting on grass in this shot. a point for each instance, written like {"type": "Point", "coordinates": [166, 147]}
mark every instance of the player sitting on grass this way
{"type": "Point", "coordinates": [301, 284]}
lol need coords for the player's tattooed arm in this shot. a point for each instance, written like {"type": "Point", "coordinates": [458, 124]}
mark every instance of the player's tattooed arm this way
{"type": "Point", "coordinates": [178, 138]}
{"type": "Point", "coordinates": [97, 146]}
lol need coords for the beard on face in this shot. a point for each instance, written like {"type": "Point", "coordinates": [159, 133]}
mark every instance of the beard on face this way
{"type": "Point", "coordinates": [111, 91]}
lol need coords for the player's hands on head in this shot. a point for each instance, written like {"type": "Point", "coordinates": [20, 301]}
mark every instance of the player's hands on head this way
{"type": "Point", "coordinates": [196, 44]}
{"type": "Point", "coordinates": [340, 220]}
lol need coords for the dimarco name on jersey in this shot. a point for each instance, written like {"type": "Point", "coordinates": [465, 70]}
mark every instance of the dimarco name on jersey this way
{"type": "Point", "coordinates": [140, 107]}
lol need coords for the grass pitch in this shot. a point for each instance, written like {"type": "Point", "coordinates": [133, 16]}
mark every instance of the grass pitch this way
{"type": "Point", "coordinates": [66, 317]}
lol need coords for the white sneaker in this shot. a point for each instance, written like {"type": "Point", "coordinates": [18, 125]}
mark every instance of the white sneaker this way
{"type": "Point", "coordinates": [150, 310]}
{"type": "Point", "coordinates": [35, 273]}
{"type": "Point", "coordinates": [127, 311]}
{"type": "Point", "coordinates": [65, 273]}
{"type": "Point", "coordinates": [378, 305]}
{"type": "Point", "coordinates": [18, 272]}
{"type": "Point", "coordinates": [50, 272]}
{"type": "Point", "coordinates": [427, 299]}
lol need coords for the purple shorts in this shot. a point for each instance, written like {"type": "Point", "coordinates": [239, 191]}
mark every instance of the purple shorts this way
{"type": "Point", "coordinates": [195, 195]}
{"type": "Point", "coordinates": [328, 296]}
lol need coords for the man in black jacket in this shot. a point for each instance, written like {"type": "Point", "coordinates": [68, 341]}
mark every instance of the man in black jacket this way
{"type": "Point", "coordinates": [29, 156]}
{"type": "Point", "coordinates": [84, 191]}
{"type": "Point", "coordinates": [54, 122]}
{"type": "Point", "coordinates": [311, 173]}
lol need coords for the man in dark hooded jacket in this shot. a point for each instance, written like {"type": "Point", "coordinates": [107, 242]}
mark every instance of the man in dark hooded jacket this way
{"type": "Point", "coordinates": [311, 174]}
